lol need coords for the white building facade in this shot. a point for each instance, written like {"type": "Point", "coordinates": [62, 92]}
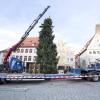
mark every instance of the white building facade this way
{"type": "Point", "coordinates": [91, 52]}
{"type": "Point", "coordinates": [70, 54]}
{"type": "Point", "coordinates": [61, 49]}
{"type": "Point", "coordinates": [66, 54]}
{"type": "Point", "coordinates": [27, 52]}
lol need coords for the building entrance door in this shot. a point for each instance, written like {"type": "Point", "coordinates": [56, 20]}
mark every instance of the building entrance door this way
{"type": "Point", "coordinates": [32, 68]}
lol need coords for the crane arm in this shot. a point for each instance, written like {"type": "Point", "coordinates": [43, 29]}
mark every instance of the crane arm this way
{"type": "Point", "coordinates": [13, 48]}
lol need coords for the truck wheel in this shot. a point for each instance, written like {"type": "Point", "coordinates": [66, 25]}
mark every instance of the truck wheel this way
{"type": "Point", "coordinates": [95, 78]}
{"type": "Point", "coordinates": [89, 78]}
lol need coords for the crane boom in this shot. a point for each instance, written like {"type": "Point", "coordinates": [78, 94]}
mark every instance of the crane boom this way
{"type": "Point", "coordinates": [13, 48]}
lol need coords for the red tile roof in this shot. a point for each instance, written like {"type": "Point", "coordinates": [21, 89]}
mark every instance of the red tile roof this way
{"type": "Point", "coordinates": [30, 42]}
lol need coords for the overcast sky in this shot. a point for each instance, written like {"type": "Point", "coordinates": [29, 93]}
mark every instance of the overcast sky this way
{"type": "Point", "coordinates": [74, 20]}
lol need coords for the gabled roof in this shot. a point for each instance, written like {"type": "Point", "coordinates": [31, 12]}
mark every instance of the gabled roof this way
{"type": "Point", "coordinates": [97, 31]}
{"type": "Point", "coordinates": [30, 42]}
{"type": "Point", "coordinates": [86, 46]}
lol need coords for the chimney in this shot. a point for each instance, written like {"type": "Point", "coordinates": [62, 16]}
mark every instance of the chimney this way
{"type": "Point", "coordinates": [97, 29]}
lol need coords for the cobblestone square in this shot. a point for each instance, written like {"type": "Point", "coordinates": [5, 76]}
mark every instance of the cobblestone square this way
{"type": "Point", "coordinates": [51, 90]}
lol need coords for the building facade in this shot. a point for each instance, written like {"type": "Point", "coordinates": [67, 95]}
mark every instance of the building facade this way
{"type": "Point", "coordinates": [70, 54]}
{"type": "Point", "coordinates": [27, 52]}
{"type": "Point", "coordinates": [61, 49]}
{"type": "Point", "coordinates": [91, 51]}
{"type": "Point", "coordinates": [66, 55]}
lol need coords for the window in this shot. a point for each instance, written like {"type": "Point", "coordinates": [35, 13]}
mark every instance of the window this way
{"type": "Point", "coordinates": [34, 58]}
{"type": "Point", "coordinates": [94, 52]}
{"type": "Point", "coordinates": [35, 50]}
{"type": "Point", "coordinates": [71, 59]}
{"type": "Point", "coordinates": [26, 50]}
{"type": "Point", "coordinates": [25, 58]}
{"type": "Point", "coordinates": [17, 56]}
{"type": "Point", "coordinates": [98, 52]}
{"type": "Point", "coordinates": [22, 50]}
{"type": "Point", "coordinates": [20, 57]}
{"type": "Point", "coordinates": [29, 58]}
{"type": "Point", "coordinates": [18, 50]}
{"type": "Point", "coordinates": [90, 52]}
{"type": "Point", "coordinates": [30, 51]}
{"type": "Point", "coordinates": [68, 59]}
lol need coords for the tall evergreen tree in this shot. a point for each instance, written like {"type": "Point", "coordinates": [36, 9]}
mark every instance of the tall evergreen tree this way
{"type": "Point", "coordinates": [47, 51]}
